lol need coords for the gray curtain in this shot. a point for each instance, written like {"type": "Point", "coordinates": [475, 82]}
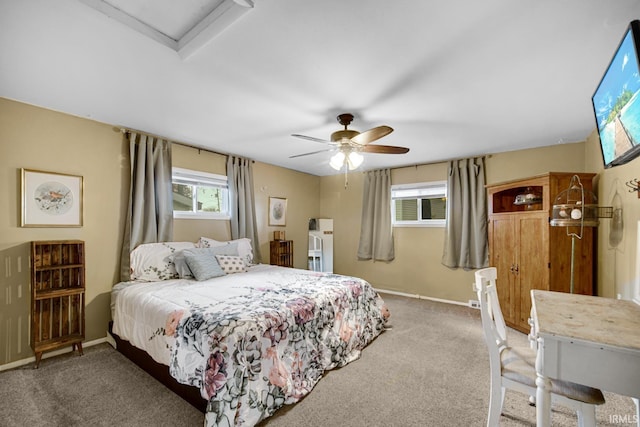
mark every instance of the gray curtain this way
{"type": "Point", "coordinates": [243, 208]}
{"type": "Point", "coordinates": [150, 212]}
{"type": "Point", "coordinates": [465, 243]}
{"type": "Point", "coordinates": [376, 232]}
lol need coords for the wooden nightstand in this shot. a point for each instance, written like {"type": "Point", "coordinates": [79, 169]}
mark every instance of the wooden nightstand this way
{"type": "Point", "coordinates": [282, 253]}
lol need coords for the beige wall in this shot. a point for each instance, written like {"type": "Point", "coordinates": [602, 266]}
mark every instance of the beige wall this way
{"type": "Point", "coordinates": [302, 192]}
{"type": "Point", "coordinates": [525, 163]}
{"type": "Point", "coordinates": [416, 269]}
{"type": "Point", "coordinates": [35, 138]}
{"type": "Point", "coordinates": [617, 269]}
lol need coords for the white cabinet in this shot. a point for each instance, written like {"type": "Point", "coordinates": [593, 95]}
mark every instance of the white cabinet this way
{"type": "Point", "coordinates": [321, 245]}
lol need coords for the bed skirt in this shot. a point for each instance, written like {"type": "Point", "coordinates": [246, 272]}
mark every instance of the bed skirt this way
{"type": "Point", "coordinates": [158, 371]}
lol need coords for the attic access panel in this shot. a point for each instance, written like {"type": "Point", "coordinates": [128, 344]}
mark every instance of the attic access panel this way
{"type": "Point", "coordinates": [169, 17]}
{"type": "Point", "coordinates": [184, 26]}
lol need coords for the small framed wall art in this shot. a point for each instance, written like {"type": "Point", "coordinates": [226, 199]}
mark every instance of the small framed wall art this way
{"type": "Point", "coordinates": [277, 211]}
{"type": "Point", "coordinates": [51, 199]}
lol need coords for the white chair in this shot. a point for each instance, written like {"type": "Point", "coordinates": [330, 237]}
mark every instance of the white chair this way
{"type": "Point", "coordinates": [514, 368]}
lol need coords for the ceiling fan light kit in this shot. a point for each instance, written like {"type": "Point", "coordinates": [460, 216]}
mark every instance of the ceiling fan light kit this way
{"type": "Point", "coordinates": [350, 143]}
{"type": "Point", "coordinates": [337, 160]}
{"type": "Point", "coordinates": [355, 160]}
{"type": "Point", "coordinates": [352, 160]}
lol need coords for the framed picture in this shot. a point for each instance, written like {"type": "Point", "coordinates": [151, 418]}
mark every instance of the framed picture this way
{"type": "Point", "coordinates": [51, 199]}
{"type": "Point", "coordinates": [277, 211]}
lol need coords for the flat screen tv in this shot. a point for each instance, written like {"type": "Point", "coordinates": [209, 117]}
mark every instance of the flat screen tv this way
{"type": "Point", "coordinates": [616, 102]}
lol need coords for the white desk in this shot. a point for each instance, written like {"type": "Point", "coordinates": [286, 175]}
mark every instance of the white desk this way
{"type": "Point", "coordinates": [588, 340]}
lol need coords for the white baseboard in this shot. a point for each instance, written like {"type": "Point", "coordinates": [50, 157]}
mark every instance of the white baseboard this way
{"type": "Point", "coordinates": [49, 354]}
{"type": "Point", "coordinates": [111, 340]}
{"type": "Point", "coordinates": [446, 301]}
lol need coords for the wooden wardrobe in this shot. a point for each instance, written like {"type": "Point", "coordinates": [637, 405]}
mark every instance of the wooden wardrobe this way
{"type": "Point", "coordinates": [527, 251]}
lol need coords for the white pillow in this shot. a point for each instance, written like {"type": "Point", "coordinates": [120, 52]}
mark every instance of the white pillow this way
{"type": "Point", "coordinates": [244, 247]}
{"type": "Point", "coordinates": [154, 261]}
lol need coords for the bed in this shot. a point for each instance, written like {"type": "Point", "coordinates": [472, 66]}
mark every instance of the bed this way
{"type": "Point", "coordinates": [249, 340]}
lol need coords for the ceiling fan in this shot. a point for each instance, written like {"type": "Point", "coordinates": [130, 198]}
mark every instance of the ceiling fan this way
{"type": "Point", "coordinates": [350, 143]}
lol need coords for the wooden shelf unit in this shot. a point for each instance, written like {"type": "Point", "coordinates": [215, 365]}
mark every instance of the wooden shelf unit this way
{"type": "Point", "coordinates": [57, 295]}
{"type": "Point", "coordinates": [527, 251]}
{"type": "Point", "coordinates": [281, 253]}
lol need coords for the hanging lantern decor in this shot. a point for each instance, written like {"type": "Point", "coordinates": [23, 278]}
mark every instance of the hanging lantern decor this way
{"type": "Point", "coordinates": [575, 207]}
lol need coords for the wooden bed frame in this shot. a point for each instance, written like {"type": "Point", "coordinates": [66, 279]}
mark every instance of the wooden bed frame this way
{"type": "Point", "coordinates": [158, 371]}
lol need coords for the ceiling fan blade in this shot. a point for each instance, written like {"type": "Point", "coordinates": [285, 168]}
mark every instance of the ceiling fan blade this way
{"type": "Point", "coordinates": [384, 149]}
{"type": "Point", "coordinates": [371, 135]}
{"type": "Point", "coordinates": [311, 138]}
{"type": "Point", "coordinates": [313, 152]}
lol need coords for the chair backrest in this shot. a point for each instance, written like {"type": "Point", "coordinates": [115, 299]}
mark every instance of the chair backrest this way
{"type": "Point", "coordinates": [495, 330]}
{"type": "Point", "coordinates": [315, 242]}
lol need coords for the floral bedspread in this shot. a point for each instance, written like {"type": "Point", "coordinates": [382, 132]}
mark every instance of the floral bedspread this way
{"type": "Point", "coordinates": [254, 341]}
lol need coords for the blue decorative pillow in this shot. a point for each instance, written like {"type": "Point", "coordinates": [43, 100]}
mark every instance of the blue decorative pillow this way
{"type": "Point", "coordinates": [182, 268]}
{"type": "Point", "coordinates": [203, 263]}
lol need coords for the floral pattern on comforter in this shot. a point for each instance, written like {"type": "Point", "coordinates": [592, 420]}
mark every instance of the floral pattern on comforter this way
{"type": "Point", "coordinates": [269, 344]}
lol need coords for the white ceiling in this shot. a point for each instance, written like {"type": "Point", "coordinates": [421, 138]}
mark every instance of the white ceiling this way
{"type": "Point", "coordinates": [454, 78]}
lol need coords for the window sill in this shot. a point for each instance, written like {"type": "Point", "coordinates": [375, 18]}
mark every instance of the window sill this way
{"type": "Point", "coordinates": [192, 215]}
{"type": "Point", "coordinates": [433, 224]}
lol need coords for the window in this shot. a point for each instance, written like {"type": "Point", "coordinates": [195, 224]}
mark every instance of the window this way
{"type": "Point", "coordinates": [199, 195]}
{"type": "Point", "coordinates": [422, 204]}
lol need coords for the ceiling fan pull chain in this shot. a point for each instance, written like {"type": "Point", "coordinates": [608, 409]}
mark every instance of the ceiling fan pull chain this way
{"type": "Point", "coordinates": [346, 175]}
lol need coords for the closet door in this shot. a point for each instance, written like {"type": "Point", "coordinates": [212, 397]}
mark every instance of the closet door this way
{"type": "Point", "coordinates": [533, 263]}
{"type": "Point", "coordinates": [503, 245]}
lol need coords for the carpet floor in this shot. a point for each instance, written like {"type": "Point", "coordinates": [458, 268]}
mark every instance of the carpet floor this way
{"type": "Point", "coordinates": [430, 369]}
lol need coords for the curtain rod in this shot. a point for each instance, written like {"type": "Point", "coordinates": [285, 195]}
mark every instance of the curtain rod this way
{"type": "Point", "coordinates": [128, 131]}
{"type": "Point", "coordinates": [485, 156]}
